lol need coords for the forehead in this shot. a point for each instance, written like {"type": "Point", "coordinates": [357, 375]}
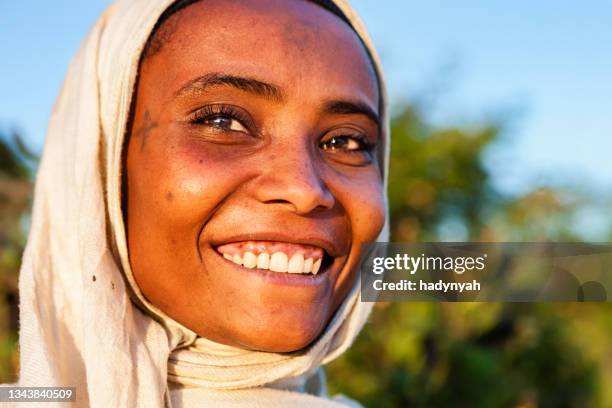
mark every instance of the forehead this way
{"type": "Point", "coordinates": [296, 44]}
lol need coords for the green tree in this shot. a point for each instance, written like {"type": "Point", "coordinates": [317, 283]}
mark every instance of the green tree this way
{"type": "Point", "coordinates": [468, 354]}
{"type": "Point", "coordinates": [16, 170]}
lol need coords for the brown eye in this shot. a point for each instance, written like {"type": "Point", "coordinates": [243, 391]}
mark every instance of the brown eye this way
{"type": "Point", "coordinates": [346, 143]}
{"type": "Point", "coordinates": [223, 118]}
{"type": "Point", "coordinates": [225, 122]}
{"type": "Point", "coordinates": [345, 147]}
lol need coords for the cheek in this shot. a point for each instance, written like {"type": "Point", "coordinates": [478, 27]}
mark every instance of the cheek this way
{"type": "Point", "coordinates": [173, 189]}
{"type": "Point", "coordinates": [363, 201]}
{"type": "Point", "coordinates": [181, 183]}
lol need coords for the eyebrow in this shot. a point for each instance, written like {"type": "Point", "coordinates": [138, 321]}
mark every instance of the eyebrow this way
{"type": "Point", "coordinates": [251, 85]}
{"type": "Point", "coordinates": [267, 90]}
{"type": "Point", "coordinates": [352, 108]}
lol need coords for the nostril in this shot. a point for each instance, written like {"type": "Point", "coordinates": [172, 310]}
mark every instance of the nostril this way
{"type": "Point", "coordinates": [303, 195]}
{"type": "Point", "coordinates": [278, 201]}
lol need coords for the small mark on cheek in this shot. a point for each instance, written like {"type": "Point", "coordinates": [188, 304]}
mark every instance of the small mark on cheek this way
{"type": "Point", "coordinates": [113, 285]}
{"type": "Point", "coordinates": [169, 196]}
{"type": "Point", "coordinates": [93, 278]}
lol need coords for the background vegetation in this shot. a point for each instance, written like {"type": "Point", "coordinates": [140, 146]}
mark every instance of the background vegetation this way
{"type": "Point", "coordinates": [422, 354]}
{"type": "Point", "coordinates": [16, 174]}
{"type": "Point", "coordinates": [476, 354]}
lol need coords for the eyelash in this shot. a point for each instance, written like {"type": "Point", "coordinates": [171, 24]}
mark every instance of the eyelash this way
{"type": "Point", "coordinates": [210, 112]}
{"type": "Point", "coordinates": [365, 144]}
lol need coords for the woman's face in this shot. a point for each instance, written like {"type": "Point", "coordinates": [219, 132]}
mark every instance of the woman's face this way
{"type": "Point", "coordinates": [251, 164]}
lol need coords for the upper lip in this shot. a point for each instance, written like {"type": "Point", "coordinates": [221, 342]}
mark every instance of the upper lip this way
{"type": "Point", "coordinates": [330, 247]}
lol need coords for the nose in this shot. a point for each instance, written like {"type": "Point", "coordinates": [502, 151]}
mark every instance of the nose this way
{"type": "Point", "coordinates": [293, 178]}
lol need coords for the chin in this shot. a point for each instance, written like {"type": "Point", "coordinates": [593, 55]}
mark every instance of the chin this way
{"type": "Point", "coordinates": [286, 343]}
{"type": "Point", "coordinates": [278, 334]}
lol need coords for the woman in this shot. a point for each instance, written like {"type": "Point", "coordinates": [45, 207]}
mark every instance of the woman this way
{"type": "Point", "coordinates": [218, 164]}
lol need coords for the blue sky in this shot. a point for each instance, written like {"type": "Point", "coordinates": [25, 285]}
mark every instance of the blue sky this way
{"type": "Point", "coordinates": [547, 63]}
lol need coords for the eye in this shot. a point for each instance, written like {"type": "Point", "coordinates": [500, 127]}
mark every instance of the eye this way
{"type": "Point", "coordinates": [348, 147]}
{"type": "Point", "coordinates": [225, 122]}
{"type": "Point", "coordinates": [223, 118]}
{"type": "Point", "coordinates": [347, 143]}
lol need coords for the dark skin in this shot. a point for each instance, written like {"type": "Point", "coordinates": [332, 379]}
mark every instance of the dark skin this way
{"type": "Point", "coordinates": [254, 120]}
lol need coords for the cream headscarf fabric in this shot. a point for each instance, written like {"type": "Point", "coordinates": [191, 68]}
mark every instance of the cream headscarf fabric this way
{"type": "Point", "coordinates": [79, 325]}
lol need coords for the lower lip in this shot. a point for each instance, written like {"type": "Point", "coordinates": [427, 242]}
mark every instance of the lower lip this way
{"type": "Point", "coordinates": [279, 278]}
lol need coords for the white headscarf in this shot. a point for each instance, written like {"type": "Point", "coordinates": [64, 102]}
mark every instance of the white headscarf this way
{"type": "Point", "coordinates": [79, 325]}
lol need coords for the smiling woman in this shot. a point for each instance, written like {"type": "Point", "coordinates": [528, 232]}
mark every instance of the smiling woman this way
{"type": "Point", "coordinates": [257, 159]}
{"type": "Point", "coordinates": [227, 160]}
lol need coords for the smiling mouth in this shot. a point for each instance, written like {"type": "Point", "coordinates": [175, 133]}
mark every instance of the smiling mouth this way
{"type": "Point", "coordinates": [281, 257]}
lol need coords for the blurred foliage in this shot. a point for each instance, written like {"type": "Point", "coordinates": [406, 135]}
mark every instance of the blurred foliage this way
{"type": "Point", "coordinates": [436, 175]}
{"type": "Point", "coordinates": [422, 354]}
{"type": "Point", "coordinates": [474, 354]}
{"type": "Point", "coordinates": [16, 170]}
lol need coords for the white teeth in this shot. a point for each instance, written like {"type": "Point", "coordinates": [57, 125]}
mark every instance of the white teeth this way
{"type": "Point", "coordinates": [296, 264]}
{"type": "Point", "coordinates": [249, 260]}
{"type": "Point", "coordinates": [307, 265]}
{"type": "Point", "coordinates": [278, 262]}
{"type": "Point", "coordinates": [316, 266]}
{"type": "Point", "coordinates": [263, 261]}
